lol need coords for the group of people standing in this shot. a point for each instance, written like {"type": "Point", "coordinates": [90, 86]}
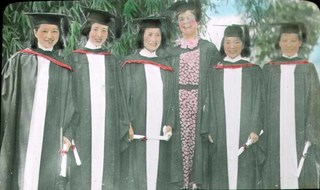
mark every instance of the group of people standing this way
{"type": "Point", "coordinates": [180, 117]}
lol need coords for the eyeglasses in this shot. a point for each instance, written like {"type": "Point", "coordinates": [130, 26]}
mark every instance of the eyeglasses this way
{"type": "Point", "coordinates": [187, 18]}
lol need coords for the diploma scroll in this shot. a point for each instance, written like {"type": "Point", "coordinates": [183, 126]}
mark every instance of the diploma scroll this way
{"type": "Point", "coordinates": [165, 137]}
{"type": "Point", "coordinates": [158, 138]}
{"type": "Point", "coordinates": [63, 166]}
{"type": "Point", "coordinates": [303, 157]}
{"type": "Point", "coordinates": [247, 144]}
{"type": "Point", "coordinates": [76, 154]}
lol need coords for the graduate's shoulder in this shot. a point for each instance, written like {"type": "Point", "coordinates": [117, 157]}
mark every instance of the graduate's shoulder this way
{"type": "Point", "coordinates": [15, 60]}
{"type": "Point", "coordinates": [21, 54]}
{"type": "Point", "coordinates": [207, 44]}
{"type": "Point", "coordinates": [137, 58]}
{"type": "Point", "coordinates": [18, 57]}
{"type": "Point", "coordinates": [255, 66]}
{"type": "Point", "coordinates": [133, 56]}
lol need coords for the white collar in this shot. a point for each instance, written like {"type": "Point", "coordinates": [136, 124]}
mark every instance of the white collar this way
{"type": "Point", "coordinates": [146, 53]}
{"type": "Point", "coordinates": [295, 55]}
{"type": "Point", "coordinates": [90, 45]}
{"type": "Point", "coordinates": [232, 60]}
{"type": "Point", "coordinates": [43, 48]}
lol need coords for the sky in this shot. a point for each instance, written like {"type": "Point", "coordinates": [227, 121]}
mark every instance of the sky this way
{"type": "Point", "coordinates": [228, 13]}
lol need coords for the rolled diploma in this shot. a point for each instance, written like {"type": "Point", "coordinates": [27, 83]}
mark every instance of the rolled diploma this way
{"type": "Point", "coordinates": [165, 137]}
{"type": "Point", "coordinates": [248, 143]}
{"type": "Point", "coordinates": [304, 154]}
{"type": "Point", "coordinates": [241, 149]}
{"type": "Point", "coordinates": [76, 154]}
{"type": "Point", "coordinates": [63, 165]}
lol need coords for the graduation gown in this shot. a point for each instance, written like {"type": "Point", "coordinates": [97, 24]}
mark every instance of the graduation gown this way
{"type": "Point", "coordinates": [306, 104]}
{"type": "Point", "coordinates": [80, 176]}
{"type": "Point", "coordinates": [19, 79]}
{"type": "Point", "coordinates": [250, 120]}
{"type": "Point", "coordinates": [133, 172]}
{"type": "Point", "coordinates": [208, 57]}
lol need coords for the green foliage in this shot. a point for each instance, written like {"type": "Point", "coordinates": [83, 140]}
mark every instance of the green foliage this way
{"type": "Point", "coordinates": [260, 14]}
{"type": "Point", "coordinates": [264, 18]}
{"type": "Point", "coordinates": [16, 27]}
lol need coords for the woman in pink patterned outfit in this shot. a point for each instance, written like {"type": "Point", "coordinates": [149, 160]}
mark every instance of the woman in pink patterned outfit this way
{"type": "Point", "coordinates": [191, 57]}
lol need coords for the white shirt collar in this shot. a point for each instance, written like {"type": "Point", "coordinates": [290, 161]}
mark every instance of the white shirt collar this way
{"type": "Point", "coordinates": [232, 60]}
{"type": "Point", "coordinates": [295, 55]}
{"type": "Point", "coordinates": [146, 53]}
{"type": "Point", "coordinates": [90, 45]}
{"type": "Point", "coordinates": [43, 48]}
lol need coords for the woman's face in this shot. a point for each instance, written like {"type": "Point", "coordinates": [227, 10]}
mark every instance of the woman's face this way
{"type": "Point", "coordinates": [152, 39]}
{"type": "Point", "coordinates": [98, 34]}
{"type": "Point", "coordinates": [188, 24]}
{"type": "Point", "coordinates": [47, 35]}
{"type": "Point", "coordinates": [289, 44]}
{"type": "Point", "coordinates": [232, 46]}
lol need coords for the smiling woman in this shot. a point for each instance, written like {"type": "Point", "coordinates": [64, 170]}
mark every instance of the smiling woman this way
{"type": "Point", "coordinates": [259, 16]}
{"type": "Point", "coordinates": [152, 39]}
{"type": "Point", "coordinates": [291, 122]}
{"type": "Point", "coordinates": [96, 117]}
{"type": "Point", "coordinates": [47, 35]}
{"type": "Point", "coordinates": [191, 57]}
{"type": "Point", "coordinates": [98, 34]}
{"type": "Point", "coordinates": [147, 85]}
{"type": "Point", "coordinates": [34, 99]}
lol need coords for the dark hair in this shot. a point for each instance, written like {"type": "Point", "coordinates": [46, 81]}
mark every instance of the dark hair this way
{"type": "Point", "coordinates": [34, 40]}
{"type": "Point", "coordinates": [139, 41]}
{"type": "Point", "coordinates": [237, 31]}
{"type": "Point", "coordinates": [190, 7]}
{"type": "Point", "coordinates": [86, 28]}
{"type": "Point", "coordinates": [182, 6]}
{"type": "Point", "coordinates": [293, 28]}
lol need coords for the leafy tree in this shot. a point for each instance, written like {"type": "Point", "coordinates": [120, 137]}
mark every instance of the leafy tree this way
{"type": "Point", "coordinates": [16, 27]}
{"type": "Point", "coordinates": [260, 14]}
{"type": "Point", "coordinates": [265, 18]}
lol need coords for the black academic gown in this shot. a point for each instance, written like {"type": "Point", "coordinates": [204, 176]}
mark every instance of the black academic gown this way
{"type": "Point", "coordinates": [307, 93]}
{"type": "Point", "coordinates": [80, 176]}
{"type": "Point", "coordinates": [134, 176]}
{"type": "Point", "coordinates": [251, 120]}
{"type": "Point", "coordinates": [209, 56]}
{"type": "Point", "coordinates": [19, 77]}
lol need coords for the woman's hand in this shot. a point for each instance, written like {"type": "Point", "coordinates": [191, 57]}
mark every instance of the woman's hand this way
{"type": "Point", "coordinates": [167, 129]}
{"type": "Point", "coordinates": [254, 137]}
{"type": "Point", "coordinates": [210, 138]}
{"type": "Point", "coordinates": [66, 142]}
{"type": "Point", "coordinates": [131, 132]}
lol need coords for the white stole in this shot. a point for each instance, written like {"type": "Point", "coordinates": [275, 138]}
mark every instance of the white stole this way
{"type": "Point", "coordinates": [288, 151]}
{"type": "Point", "coordinates": [232, 97]}
{"type": "Point", "coordinates": [35, 140]}
{"type": "Point", "coordinates": [154, 118]}
{"type": "Point", "coordinates": [98, 108]}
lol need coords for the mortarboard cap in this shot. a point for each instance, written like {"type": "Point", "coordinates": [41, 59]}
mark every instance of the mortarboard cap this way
{"type": "Point", "coordinates": [240, 31]}
{"type": "Point", "coordinates": [233, 31]}
{"type": "Point", "coordinates": [46, 18]}
{"type": "Point", "coordinates": [150, 21]}
{"type": "Point", "coordinates": [98, 16]}
{"type": "Point", "coordinates": [102, 17]}
{"type": "Point", "coordinates": [293, 27]}
{"type": "Point", "coordinates": [298, 28]}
